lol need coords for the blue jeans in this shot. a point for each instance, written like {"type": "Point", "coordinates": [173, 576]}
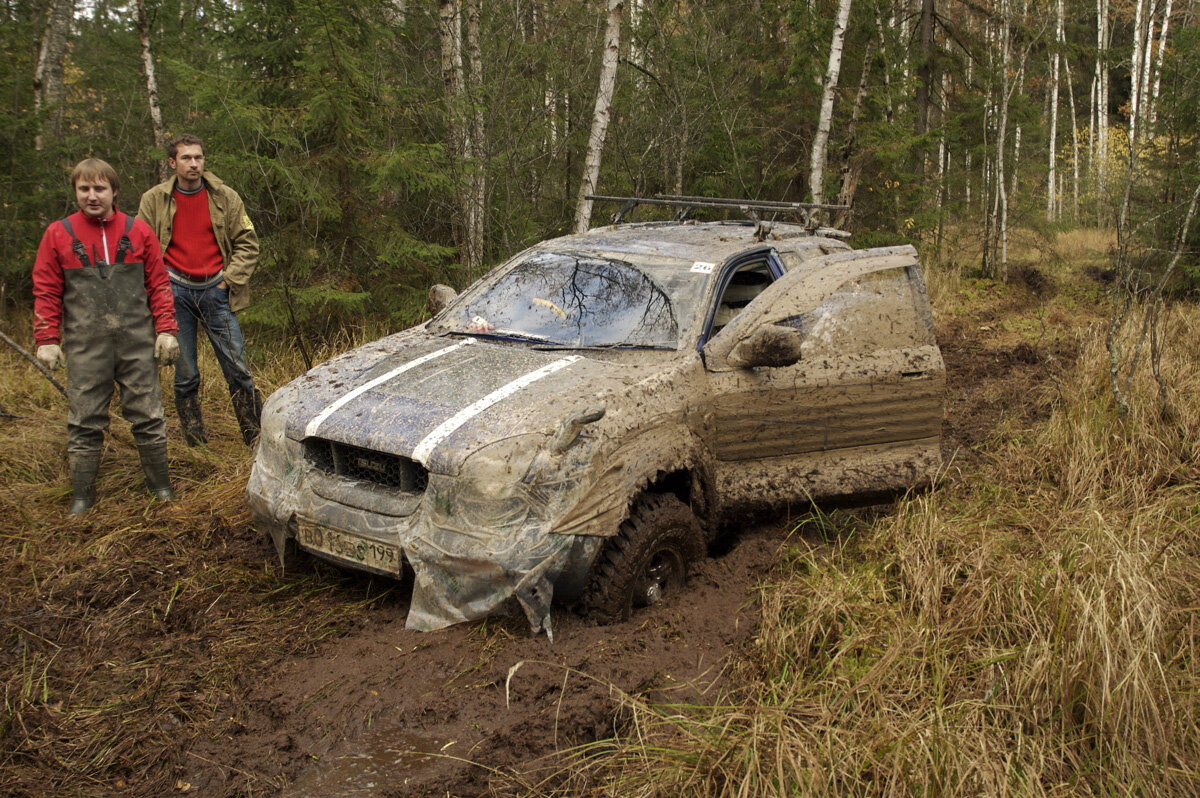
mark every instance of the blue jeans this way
{"type": "Point", "coordinates": [208, 308]}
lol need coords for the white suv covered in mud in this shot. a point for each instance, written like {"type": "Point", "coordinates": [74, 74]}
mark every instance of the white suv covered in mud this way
{"type": "Point", "coordinates": [580, 422]}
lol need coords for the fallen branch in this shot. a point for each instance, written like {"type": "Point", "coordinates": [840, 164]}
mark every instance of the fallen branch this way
{"type": "Point", "coordinates": [25, 352]}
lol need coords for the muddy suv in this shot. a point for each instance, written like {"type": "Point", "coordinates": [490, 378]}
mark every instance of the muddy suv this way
{"type": "Point", "coordinates": [579, 423]}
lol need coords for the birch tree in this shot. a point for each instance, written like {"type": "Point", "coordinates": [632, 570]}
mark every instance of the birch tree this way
{"type": "Point", "coordinates": [476, 199]}
{"type": "Point", "coordinates": [48, 76]}
{"type": "Point", "coordinates": [156, 123]}
{"type": "Point", "coordinates": [816, 173]}
{"type": "Point", "coordinates": [600, 116]}
{"type": "Point", "coordinates": [458, 130]}
{"type": "Point", "coordinates": [1052, 181]}
{"type": "Point", "coordinates": [1100, 117]}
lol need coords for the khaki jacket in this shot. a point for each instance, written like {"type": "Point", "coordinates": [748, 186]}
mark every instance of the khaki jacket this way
{"type": "Point", "coordinates": [231, 225]}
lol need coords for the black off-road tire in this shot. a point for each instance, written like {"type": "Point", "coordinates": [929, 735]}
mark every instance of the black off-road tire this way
{"type": "Point", "coordinates": [647, 558]}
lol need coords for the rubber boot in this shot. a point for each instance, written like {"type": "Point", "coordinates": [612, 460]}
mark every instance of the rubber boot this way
{"type": "Point", "coordinates": [189, 418]}
{"type": "Point", "coordinates": [247, 406]}
{"type": "Point", "coordinates": [154, 464]}
{"type": "Point", "coordinates": [83, 481]}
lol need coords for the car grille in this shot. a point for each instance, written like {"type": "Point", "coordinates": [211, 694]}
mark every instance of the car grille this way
{"type": "Point", "coordinates": [353, 462]}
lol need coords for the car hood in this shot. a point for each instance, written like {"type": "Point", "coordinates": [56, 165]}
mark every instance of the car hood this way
{"type": "Point", "coordinates": [438, 399]}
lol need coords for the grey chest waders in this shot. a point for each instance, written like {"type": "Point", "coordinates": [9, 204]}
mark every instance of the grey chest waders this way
{"type": "Point", "coordinates": [108, 336]}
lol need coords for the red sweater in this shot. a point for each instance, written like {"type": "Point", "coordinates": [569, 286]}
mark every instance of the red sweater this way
{"type": "Point", "coordinates": [193, 250]}
{"type": "Point", "coordinates": [55, 254]}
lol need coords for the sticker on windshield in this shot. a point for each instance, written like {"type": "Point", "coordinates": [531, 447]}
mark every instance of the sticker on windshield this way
{"type": "Point", "coordinates": [703, 267]}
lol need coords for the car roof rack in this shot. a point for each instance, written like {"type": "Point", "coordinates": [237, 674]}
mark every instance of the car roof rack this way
{"type": "Point", "coordinates": [753, 209]}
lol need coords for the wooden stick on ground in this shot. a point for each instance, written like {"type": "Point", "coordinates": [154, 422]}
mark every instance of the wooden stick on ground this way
{"type": "Point", "coordinates": [45, 371]}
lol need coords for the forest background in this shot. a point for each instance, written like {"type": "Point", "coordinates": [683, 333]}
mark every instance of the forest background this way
{"type": "Point", "coordinates": [385, 146]}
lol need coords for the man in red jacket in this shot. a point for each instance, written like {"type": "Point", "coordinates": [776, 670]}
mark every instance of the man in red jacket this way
{"type": "Point", "coordinates": [99, 273]}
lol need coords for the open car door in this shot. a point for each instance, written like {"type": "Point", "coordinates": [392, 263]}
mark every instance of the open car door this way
{"type": "Point", "coordinates": [830, 379]}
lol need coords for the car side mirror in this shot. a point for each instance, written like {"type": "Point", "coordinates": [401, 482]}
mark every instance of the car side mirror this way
{"type": "Point", "coordinates": [770, 346]}
{"type": "Point", "coordinates": [440, 296]}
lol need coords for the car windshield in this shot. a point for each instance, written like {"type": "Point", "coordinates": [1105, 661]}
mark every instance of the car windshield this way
{"type": "Point", "coordinates": [571, 300]}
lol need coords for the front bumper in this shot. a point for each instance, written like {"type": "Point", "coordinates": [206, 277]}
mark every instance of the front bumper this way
{"type": "Point", "coordinates": [461, 572]}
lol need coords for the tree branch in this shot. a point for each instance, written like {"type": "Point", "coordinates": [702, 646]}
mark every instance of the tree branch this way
{"type": "Point", "coordinates": [25, 352]}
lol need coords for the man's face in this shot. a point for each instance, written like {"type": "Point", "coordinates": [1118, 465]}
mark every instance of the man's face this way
{"type": "Point", "coordinates": [95, 197]}
{"type": "Point", "coordinates": [188, 164]}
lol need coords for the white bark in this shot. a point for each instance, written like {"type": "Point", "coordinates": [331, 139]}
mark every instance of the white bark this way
{"type": "Point", "coordinates": [476, 200]}
{"type": "Point", "coordinates": [1052, 179]}
{"type": "Point", "coordinates": [1147, 61]}
{"type": "Point", "coordinates": [156, 123]}
{"type": "Point", "coordinates": [816, 174]}
{"type": "Point", "coordinates": [48, 74]}
{"type": "Point", "coordinates": [457, 134]}
{"type": "Point", "coordinates": [450, 33]}
{"type": "Point", "coordinates": [1158, 66]}
{"type": "Point", "coordinates": [600, 116]}
{"type": "Point", "coordinates": [1102, 35]}
{"type": "Point", "coordinates": [850, 170]}
{"type": "Point", "coordinates": [1074, 143]}
{"type": "Point", "coordinates": [396, 12]}
{"type": "Point", "coordinates": [1135, 68]}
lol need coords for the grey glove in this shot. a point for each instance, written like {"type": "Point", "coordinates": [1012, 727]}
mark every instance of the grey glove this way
{"type": "Point", "coordinates": [166, 349]}
{"type": "Point", "coordinates": [51, 356]}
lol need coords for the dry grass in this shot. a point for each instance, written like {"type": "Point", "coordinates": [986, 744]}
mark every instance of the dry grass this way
{"type": "Point", "coordinates": [132, 632]}
{"type": "Point", "coordinates": [1029, 628]}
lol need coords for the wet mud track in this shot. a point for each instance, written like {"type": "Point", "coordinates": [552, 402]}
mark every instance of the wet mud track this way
{"type": "Point", "coordinates": [478, 708]}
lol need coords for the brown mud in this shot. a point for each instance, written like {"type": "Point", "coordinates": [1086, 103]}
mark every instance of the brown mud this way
{"type": "Point", "coordinates": [228, 682]}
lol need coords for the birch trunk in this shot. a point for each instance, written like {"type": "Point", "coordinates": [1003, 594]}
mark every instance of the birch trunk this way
{"type": "Point", "coordinates": [48, 75]}
{"type": "Point", "coordinates": [1147, 61]}
{"type": "Point", "coordinates": [816, 174]}
{"type": "Point", "coordinates": [450, 33]}
{"type": "Point", "coordinates": [600, 116]}
{"type": "Point", "coordinates": [998, 257]}
{"type": "Point", "coordinates": [453, 81]}
{"type": "Point", "coordinates": [1052, 180]}
{"type": "Point", "coordinates": [396, 13]}
{"type": "Point", "coordinates": [156, 123]}
{"type": "Point", "coordinates": [1101, 98]}
{"type": "Point", "coordinates": [1158, 66]}
{"type": "Point", "coordinates": [925, 70]}
{"type": "Point", "coordinates": [476, 201]}
{"type": "Point", "coordinates": [1074, 143]}
{"type": "Point", "coordinates": [851, 168]}
{"type": "Point", "coordinates": [1135, 68]}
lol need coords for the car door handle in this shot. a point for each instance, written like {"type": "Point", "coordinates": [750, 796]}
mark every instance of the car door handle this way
{"type": "Point", "coordinates": [910, 374]}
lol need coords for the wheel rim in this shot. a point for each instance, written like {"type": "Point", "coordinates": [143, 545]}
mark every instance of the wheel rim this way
{"type": "Point", "coordinates": [662, 572]}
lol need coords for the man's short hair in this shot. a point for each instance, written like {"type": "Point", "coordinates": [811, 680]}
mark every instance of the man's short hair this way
{"type": "Point", "coordinates": [95, 169]}
{"type": "Point", "coordinates": [185, 139]}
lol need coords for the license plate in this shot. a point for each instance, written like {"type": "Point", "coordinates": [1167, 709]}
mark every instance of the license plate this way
{"type": "Point", "coordinates": [355, 550]}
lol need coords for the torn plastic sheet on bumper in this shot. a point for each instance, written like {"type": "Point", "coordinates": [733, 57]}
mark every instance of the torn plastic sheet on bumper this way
{"type": "Point", "coordinates": [458, 577]}
{"type": "Point", "coordinates": [454, 587]}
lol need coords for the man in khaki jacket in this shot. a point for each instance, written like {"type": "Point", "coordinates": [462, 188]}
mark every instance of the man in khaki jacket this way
{"type": "Point", "coordinates": [210, 250]}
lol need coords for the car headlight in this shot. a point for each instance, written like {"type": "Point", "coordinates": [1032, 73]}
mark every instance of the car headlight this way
{"type": "Point", "coordinates": [275, 452]}
{"type": "Point", "coordinates": [497, 491]}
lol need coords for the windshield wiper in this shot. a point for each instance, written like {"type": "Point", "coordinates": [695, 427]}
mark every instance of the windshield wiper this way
{"type": "Point", "coordinates": [602, 347]}
{"type": "Point", "coordinates": [505, 335]}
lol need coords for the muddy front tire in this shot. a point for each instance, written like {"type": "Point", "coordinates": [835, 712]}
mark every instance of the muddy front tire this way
{"type": "Point", "coordinates": [646, 560]}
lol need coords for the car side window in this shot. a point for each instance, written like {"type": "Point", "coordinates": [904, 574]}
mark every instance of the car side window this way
{"type": "Point", "coordinates": [873, 312]}
{"type": "Point", "coordinates": [744, 285]}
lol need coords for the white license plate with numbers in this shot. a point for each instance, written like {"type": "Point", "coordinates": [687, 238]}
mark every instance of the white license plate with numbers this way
{"type": "Point", "coordinates": [351, 548]}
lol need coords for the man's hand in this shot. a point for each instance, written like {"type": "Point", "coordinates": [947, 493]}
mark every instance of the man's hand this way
{"type": "Point", "coordinates": [166, 349]}
{"type": "Point", "coordinates": [51, 356]}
